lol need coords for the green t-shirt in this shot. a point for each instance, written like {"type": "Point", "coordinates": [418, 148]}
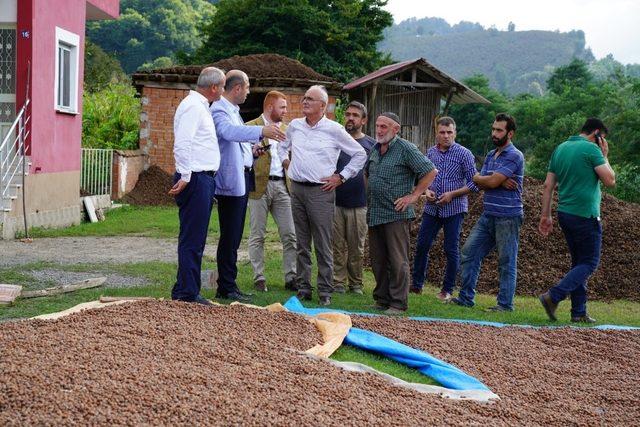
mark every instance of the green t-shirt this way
{"type": "Point", "coordinates": [573, 163]}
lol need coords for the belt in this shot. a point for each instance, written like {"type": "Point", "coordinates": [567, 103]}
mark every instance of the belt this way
{"type": "Point", "coordinates": [275, 178]}
{"type": "Point", "coordinates": [210, 173]}
{"type": "Point", "coordinates": [247, 169]}
{"type": "Point", "coordinates": [308, 184]}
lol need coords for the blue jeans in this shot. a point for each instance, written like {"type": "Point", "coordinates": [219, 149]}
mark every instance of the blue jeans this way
{"type": "Point", "coordinates": [490, 231]}
{"type": "Point", "coordinates": [429, 230]}
{"type": "Point", "coordinates": [584, 238]}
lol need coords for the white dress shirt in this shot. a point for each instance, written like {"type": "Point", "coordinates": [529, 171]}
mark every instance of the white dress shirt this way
{"type": "Point", "coordinates": [315, 150]}
{"type": "Point", "coordinates": [195, 146]}
{"type": "Point", "coordinates": [276, 168]}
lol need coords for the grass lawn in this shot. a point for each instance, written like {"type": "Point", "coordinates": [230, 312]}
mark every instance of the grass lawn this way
{"type": "Point", "coordinates": [162, 222]}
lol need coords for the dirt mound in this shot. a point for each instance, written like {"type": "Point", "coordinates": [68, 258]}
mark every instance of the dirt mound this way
{"type": "Point", "coordinates": [264, 65]}
{"type": "Point", "coordinates": [151, 189]}
{"type": "Point", "coordinates": [542, 262]}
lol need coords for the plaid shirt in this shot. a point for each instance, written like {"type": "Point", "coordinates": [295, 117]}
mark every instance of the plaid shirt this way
{"type": "Point", "coordinates": [456, 168]}
{"type": "Point", "coordinates": [390, 176]}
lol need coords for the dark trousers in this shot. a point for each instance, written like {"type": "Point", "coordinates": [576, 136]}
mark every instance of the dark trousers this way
{"type": "Point", "coordinates": [584, 238]}
{"type": "Point", "coordinates": [231, 215]}
{"type": "Point", "coordinates": [194, 211]}
{"type": "Point", "coordinates": [429, 229]}
{"type": "Point", "coordinates": [389, 254]}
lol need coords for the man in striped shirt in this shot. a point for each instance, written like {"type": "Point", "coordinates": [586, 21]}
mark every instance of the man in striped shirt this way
{"type": "Point", "coordinates": [446, 205]}
{"type": "Point", "coordinates": [499, 225]}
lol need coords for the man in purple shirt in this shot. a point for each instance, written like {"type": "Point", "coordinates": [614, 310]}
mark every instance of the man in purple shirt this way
{"type": "Point", "coordinates": [446, 205]}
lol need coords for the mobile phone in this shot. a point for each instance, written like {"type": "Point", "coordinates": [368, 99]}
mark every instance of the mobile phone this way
{"type": "Point", "coordinates": [597, 137]}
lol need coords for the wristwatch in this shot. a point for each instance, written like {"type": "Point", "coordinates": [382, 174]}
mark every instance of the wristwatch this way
{"type": "Point", "coordinates": [342, 178]}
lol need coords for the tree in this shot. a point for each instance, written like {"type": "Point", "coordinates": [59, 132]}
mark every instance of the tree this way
{"type": "Point", "coordinates": [473, 121]}
{"type": "Point", "coordinates": [574, 75]}
{"type": "Point", "coordinates": [511, 27]}
{"type": "Point", "coordinates": [100, 69]}
{"type": "Point", "coordinates": [336, 37]}
{"type": "Point", "coordinates": [150, 29]}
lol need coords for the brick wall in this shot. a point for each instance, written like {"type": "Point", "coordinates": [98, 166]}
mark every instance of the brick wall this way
{"type": "Point", "coordinates": [127, 167]}
{"type": "Point", "coordinates": [156, 121]}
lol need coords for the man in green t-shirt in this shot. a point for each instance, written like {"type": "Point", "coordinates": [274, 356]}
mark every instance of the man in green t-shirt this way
{"type": "Point", "coordinates": [578, 165]}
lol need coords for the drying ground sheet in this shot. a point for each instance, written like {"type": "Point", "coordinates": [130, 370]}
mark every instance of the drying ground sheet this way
{"type": "Point", "coordinates": [162, 362]}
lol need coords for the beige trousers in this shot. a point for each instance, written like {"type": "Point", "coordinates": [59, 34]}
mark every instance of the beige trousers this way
{"type": "Point", "coordinates": [277, 201]}
{"type": "Point", "coordinates": [349, 234]}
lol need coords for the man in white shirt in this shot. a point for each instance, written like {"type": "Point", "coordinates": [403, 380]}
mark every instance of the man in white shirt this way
{"type": "Point", "coordinates": [197, 159]}
{"type": "Point", "coordinates": [315, 143]}
{"type": "Point", "coordinates": [271, 195]}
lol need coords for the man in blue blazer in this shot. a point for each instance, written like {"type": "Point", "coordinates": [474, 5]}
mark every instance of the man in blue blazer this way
{"type": "Point", "coordinates": [234, 178]}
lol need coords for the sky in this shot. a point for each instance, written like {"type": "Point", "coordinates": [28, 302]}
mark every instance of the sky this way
{"type": "Point", "coordinates": [611, 26]}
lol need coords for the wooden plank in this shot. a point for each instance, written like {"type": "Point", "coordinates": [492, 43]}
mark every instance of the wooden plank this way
{"type": "Point", "coordinates": [412, 84]}
{"type": "Point", "coordinates": [114, 299]}
{"type": "Point", "coordinates": [57, 290]}
{"type": "Point", "coordinates": [8, 293]}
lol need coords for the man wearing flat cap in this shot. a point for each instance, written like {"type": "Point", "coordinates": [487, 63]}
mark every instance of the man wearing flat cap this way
{"type": "Point", "coordinates": [392, 169]}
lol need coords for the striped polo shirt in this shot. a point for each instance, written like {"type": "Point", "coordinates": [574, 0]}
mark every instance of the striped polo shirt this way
{"type": "Point", "coordinates": [456, 168]}
{"type": "Point", "coordinates": [500, 201]}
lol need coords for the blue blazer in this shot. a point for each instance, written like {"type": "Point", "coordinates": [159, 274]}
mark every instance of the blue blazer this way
{"type": "Point", "coordinates": [231, 132]}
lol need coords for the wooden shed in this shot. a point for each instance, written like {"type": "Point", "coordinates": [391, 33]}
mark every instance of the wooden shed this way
{"type": "Point", "coordinates": [416, 91]}
{"type": "Point", "coordinates": [162, 90]}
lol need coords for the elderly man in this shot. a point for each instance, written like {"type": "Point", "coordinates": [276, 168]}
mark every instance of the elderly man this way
{"type": "Point", "coordinates": [271, 195]}
{"type": "Point", "coordinates": [499, 224]}
{"type": "Point", "coordinates": [393, 168]}
{"type": "Point", "coordinates": [350, 220]}
{"type": "Point", "coordinates": [578, 165]}
{"type": "Point", "coordinates": [234, 180]}
{"type": "Point", "coordinates": [446, 205]}
{"type": "Point", "coordinates": [315, 143]}
{"type": "Point", "coordinates": [197, 159]}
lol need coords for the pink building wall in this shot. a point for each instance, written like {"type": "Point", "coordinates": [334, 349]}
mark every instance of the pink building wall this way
{"type": "Point", "coordinates": [55, 136]}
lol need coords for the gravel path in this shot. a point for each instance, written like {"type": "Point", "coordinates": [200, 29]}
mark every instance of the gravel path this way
{"type": "Point", "coordinates": [95, 250]}
{"type": "Point", "coordinates": [172, 363]}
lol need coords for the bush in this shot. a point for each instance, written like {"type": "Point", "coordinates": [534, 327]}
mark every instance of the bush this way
{"type": "Point", "coordinates": [111, 118]}
{"type": "Point", "coordinates": [627, 183]}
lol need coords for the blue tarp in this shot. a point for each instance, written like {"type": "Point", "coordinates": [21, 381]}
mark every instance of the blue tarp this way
{"type": "Point", "coordinates": [447, 375]}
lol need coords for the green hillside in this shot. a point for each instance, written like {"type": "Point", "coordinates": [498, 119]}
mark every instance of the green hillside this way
{"type": "Point", "coordinates": [514, 61]}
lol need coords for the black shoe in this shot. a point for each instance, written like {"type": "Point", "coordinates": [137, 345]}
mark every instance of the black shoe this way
{"type": "Point", "coordinates": [291, 285]}
{"type": "Point", "coordinates": [304, 295]}
{"type": "Point", "coordinates": [415, 290]}
{"type": "Point", "coordinates": [549, 306]}
{"type": "Point", "coordinates": [260, 285]}
{"type": "Point", "coordinates": [583, 319]}
{"type": "Point", "coordinates": [202, 300]}
{"type": "Point", "coordinates": [379, 307]}
{"type": "Point", "coordinates": [324, 300]}
{"type": "Point", "coordinates": [458, 301]}
{"type": "Point", "coordinates": [339, 289]}
{"type": "Point", "coordinates": [235, 296]}
{"type": "Point", "coordinates": [498, 309]}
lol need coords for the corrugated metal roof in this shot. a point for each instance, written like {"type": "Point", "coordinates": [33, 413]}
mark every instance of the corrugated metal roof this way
{"type": "Point", "coordinates": [462, 95]}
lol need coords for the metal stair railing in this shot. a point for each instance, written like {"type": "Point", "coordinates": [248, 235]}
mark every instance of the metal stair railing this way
{"type": "Point", "coordinates": [12, 152]}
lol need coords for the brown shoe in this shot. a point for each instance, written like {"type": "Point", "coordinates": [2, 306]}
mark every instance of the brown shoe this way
{"type": "Point", "coordinates": [260, 285]}
{"type": "Point", "coordinates": [583, 319]}
{"type": "Point", "coordinates": [549, 306]}
{"type": "Point", "coordinates": [444, 296]}
{"type": "Point", "coordinates": [415, 290]}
